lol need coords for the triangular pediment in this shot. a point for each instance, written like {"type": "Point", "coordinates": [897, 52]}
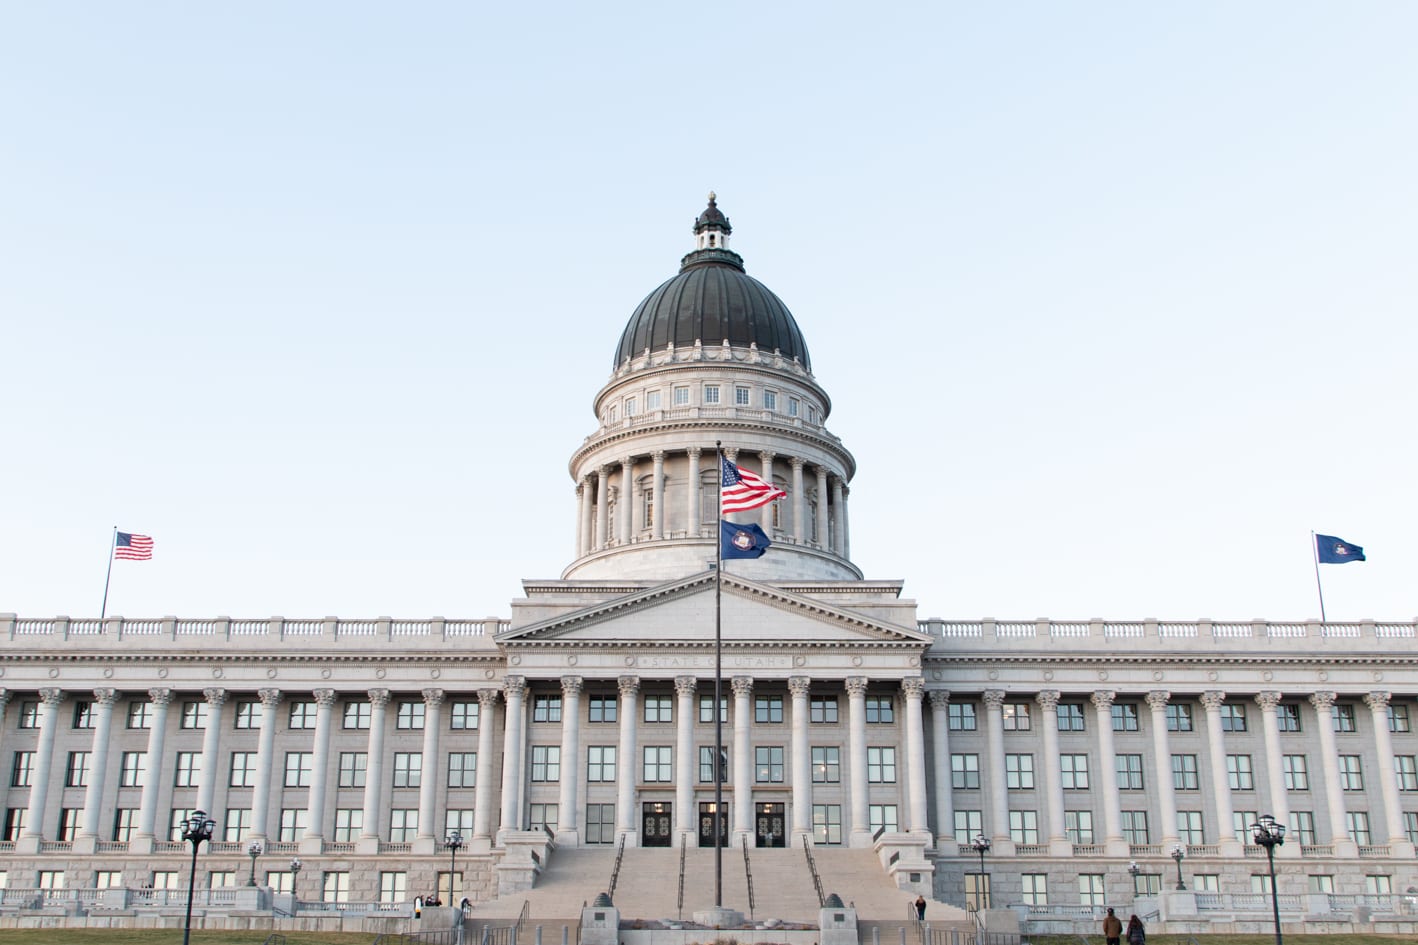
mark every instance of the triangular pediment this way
{"type": "Point", "coordinates": [684, 612]}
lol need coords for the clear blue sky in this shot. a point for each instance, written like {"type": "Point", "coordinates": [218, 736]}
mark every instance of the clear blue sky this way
{"type": "Point", "coordinates": [1115, 301]}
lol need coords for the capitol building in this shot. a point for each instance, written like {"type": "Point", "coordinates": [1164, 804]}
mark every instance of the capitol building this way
{"type": "Point", "coordinates": [1104, 762]}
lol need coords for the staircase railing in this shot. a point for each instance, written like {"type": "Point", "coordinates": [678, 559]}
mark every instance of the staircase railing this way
{"type": "Point", "coordinates": [812, 868]}
{"type": "Point", "coordinates": [683, 848]}
{"type": "Point", "coordinates": [916, 922]}
{"type": "Point", "coordinates": [748, 875]}
{"type": "Point", "coordinates": [615, 870]}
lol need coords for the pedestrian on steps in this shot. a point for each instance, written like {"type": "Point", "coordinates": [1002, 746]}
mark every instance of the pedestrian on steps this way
{"type": "Point", "coordinates": [920, 908]}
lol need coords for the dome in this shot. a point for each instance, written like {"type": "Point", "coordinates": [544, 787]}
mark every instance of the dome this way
{"type": "Point", "coordinates": [712, 300]}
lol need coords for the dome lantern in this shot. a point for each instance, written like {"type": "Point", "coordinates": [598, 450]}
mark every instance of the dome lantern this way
{"type": "Point", "coordinates": [711, 228]}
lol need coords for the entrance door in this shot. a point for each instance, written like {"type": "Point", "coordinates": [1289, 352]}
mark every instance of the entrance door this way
{"type": "Point", "coordinates": [655, 821]}
{"type": "Point", "coordinates": [706, 825]}
{"type": "Point", "coordinates": [769, 825]}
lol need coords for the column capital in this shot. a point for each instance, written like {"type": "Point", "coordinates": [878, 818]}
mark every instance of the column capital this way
{"type": "Point", "coordinates": [914, 687]}
{"type": "Point", "coordinates": [1267, 700]}
{"type": "Point", "coordinates": [1213, 699]}
{"type": "Point", "coordinates": [940, 698]}
{"type": "Point", "coordinates": [324, 697]}
{"type": "Point", "coordinates": [685, 685]}
{"type": "Point", "coordinates": [571, 685]}
{"type": "Point", "coordinates": [1158, 699]}
{"type": "Point", "coordinates": [105, 697]}
{"type": "Point", "coordinates": [628, 685]}
{"type": "Point", "coordinates": [433, 697]}
{"type": "Point", "coordinates": [799, 685]}
{"type": "Point", "coordinates": [4, 699]}
{"type": "Point", "coordinates": [695, 452]}
{"type": "Point", "coordinates": [856, 685]}
{"type": "Point", "coordinates": [51, 697]}
{"type": "Point", "coordinates": [743, 685]}
{"type": "Point", "coordinates": [1377, 700]}
{"type": "Point", "coordinates": [270, 698]}
{"type": "Point", "coordinates": [1048, 699]}
{"type": "Point", "coordinates": [215, 697]}
{"type": "Point", "coordinates": [1103, 699]}
{"type": "Point", "coordinates": [994, 698]}
{"type": "Point", "coordinates": [514, 686]}
{"type": "Point", "coordinates": [797, 462]}
{"type": "Point", "coordinates": [160, 697]}
{"type": "Point", "coordinates": [378, 698]}
{"type": "Point", "coordinates": [487, 699]}
{"type": "Point", "coordinates": [767, 456]}
{"type": "Point", "coordinates": [1322, 700]}
{"type": "Point", "coordinates": [658, 456]}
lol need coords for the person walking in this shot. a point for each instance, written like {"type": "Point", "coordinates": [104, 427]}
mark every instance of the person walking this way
{"type": "Point", "coordinates": [1137, 935]}
{"type": "Point", "coordinates": [1112, 928]}
{"type": "Point", "coordinates": [920, 908]}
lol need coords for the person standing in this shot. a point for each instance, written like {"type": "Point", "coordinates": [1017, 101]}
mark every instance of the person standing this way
{"type": "Point", "coordinates": [1136, 934]}
{"type": "Point", "coordinates": [920, 908]}
{"type": "Point", "coordinates": [1112, 928]}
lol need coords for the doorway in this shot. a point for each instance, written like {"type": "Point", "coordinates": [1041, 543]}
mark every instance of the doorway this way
{"type": "Point", "coordinates": [769, 825]}
{"type": "Point", "coordinates": [707, 818]}
{"type": "Point", "coordinates": [655, 825]}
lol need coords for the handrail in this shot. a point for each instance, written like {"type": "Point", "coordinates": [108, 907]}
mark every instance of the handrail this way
{"type": "Point", "coordinates": [748, 875]}
{"type": "Point", "coordinates": [522, 918]}
{"type": "Point", "coordinates": [916, 922]}
{"type": "Point", "coordinates": [615, 870]}
{"type": "Point", "coordinates": [683, 849]}
{"type": "Point", "coordinates": [812, 868]}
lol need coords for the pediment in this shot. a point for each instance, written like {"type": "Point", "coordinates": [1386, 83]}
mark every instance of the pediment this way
{"type": "Point", "coordinates": [682, 612]}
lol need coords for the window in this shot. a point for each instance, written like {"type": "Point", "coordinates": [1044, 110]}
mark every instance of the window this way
{"type": "Point", "coordinates": [1287, 717]}
{"type": "Point", "coordinates": [546, 763]}
{"type": "Point", "coordinates": [165, 879]}
{"type": "Point", "coordinates": [881, 765]}
{"type": "Point", "coordinates": [51, 880]}
{"type": "Point", "coordinates": [546, 708]}
{"type": "Point", "coordinates": [459, 820]}
{"type": "Point", "coordinates": [1410, 825]}
{"type": "Point", "coordinates": [1233, 718]}
{"type": "Point", "coordinates": [826, 764]}
{"type": "Point", "coordinates": [657, 767]}
{"type": "Point", "coordinates": [174, 823]}
{"type": "Point", "coordinates": [1189, 827]}
{"type": "Point", "coordinates": [1206, 882]}
{"type": "Point", "coordinates": [769, 708]}
{"type": "Point", "coordinates": [1260, 884]}
{"type": "Point", "coordinates": [125, 823]}
{"type": "Point", "coordinates": [1078, 826]}
{"type": "Point", "coordinates": [823, 709]}
{"type": "Point", "coordinates": [1023, 826]}
{"type": "Point", "coordinates": [463, 769]}
{"type": "Point", "coordinates": [14, 822]}
{"type": "Point", "coordinates": [600, 763]}
{"type": "Point", "coordinates": [1343, 716]}
{"type": "Point", "coordinates": [1322, 884]}
{"type": "Point", "coordinates": [1239, 774]}
{"type": "Point", "coordinates": [238, 824]}
{"type": "Point", "coordinates": [1074, 769]}
{"type": "Point", "coordinates": [659, 709]}
{"type": "Point", "coordinates": [83, 714]}
{"type": "Point", "coordinates": [1241, 821]}
{"type": "Point", "coordinates": [711, 394]}
{"type": "Point", "coordinates": [965, 772]}
{"type": "Point", "coordinates": [108, 879]}
{"type": "Point", "coordinates": [133, 768]}
{"type": "Point", "coordinates": [410, 716]}
{"type": "Point", "coordinates": [76, 771]}
{"type": "Point", "coordinates": [403, 825]}
{"type": "Point", "coordinates": [302, 716]}
{"type": "Point", "coordinates": [1407, 770]}
{"type": "Point", "coordinates": [1134, 827]}
{"type": "Point", "coordinates": [1358, 823]}
{"type": "Point", "coordinates": [1179, 718]}
{"type": "Point", "coordinates": [29, 715]}
{"type": "Point", "coordinates": [706, 709]}
{"type": "Point", "coordinates": [793, 406]}
{"type": "Point", "coordinates": [358, 715]}
{"type": "Point", "coordinates": [827, 823]}
{"type": "Point", "coordinates": [140, 714]}
{"type": "Point", "coordinates": [336, 887]}
{"type": "Point", "coordinates": [353, 766]}
{"type": "Point", "coordinates": [681, 396]}
{"type": "Point", "coordinates": [463, 715]}
{"type": "Point", "coordinates": [1398, 719]}
{"type": "Point", "coordinates": [1184, 773]}
{"type": "Point", "coordinates": [298, 767]}
{"type": "Point", "coordinates": [880, 710]}
{"type": "Point", "coordinates": [1129, 772]}
{"type": "Point", "coordinates": [631, 407]}
{"type": "Point", "coordinates": [1090, 889]}
{"type": "Point", "coordinates": [1016, 716]}
{"type": "Point", "coordinates": [770, 400]}
{"type": "Point", "coordinates": [187, 771]}
{"type": "Point", "coordinates": [600, 823]}
{"type": "Point", "coordinates": [1378, 885]}
{"type": "Point", "coordinates": [1070, 716]}
{"type": "Point", "coordinates": [961, 716]}
{"type": "Point", "coordinates": [69, 822]}
{"type": "Point", "coordinates": [393, 887]}
{"type": "Point", "coordinates": [969, 824]}
{"type": "Point", "coordinates": [977, 889]}
{"type": "Point", "coordinates": [542, 815]}
{"type": "Point", "coordinates": [408, 768]}
{"type": "Point", "coordinates": [349, 822]}
{"type": "Point", "coordinates": [1297, 775]}
{"type": "Point", "coordinates": [740, 396]}
{"type": "Point", "coordinates": [602, 708]}
{"type": "Point", "coordinates": [194, 715]}
{"type": "Point", "coordinates": [1302, 827]}
{"type": "Point", "coordinates": [706, 764]}
{"type": "Point", "coordinates": [248, 715]}
{"type": "Point", "coordinates": [652, 400]}
{"type": "Point", "coordinates": [611, 413]}
{"type": "Point", "coordinates": [1019, 772]}
{"type": "Point", "coordinates": [23, 769]}
{"type": "Point", "coordinates": [1351, 775]}
{"type": "Point", "coordinates": [243, 769]}
{"type": "Point", "coordinates": [768, 764]}
{"type": "Point", "coordinates": [882, 817]}
{"type": "Point", "coordinates": [1036, 889]}
{"type": "Point", "coordinates": [1124, 716]}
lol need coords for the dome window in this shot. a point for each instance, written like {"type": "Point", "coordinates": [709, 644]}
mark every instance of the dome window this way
{"type": "Point", "coordinates": [681, 396]}
{"type": "Point", "coordinates": [770, 400]}
{"type": "Point", "coordinates": [652, 400]}
{"type": "Point", "coordinates": [630, 407]}
{"type": "Point", "coordinates": [741, 397]}
{"type": "Point", "coordinates": [793, 406]}
{"type": "Point", "coordinates": [711, 394]}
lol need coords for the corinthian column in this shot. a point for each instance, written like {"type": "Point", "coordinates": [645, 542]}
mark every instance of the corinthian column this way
{"type": "Point", "coordinates": [603, 489]}
{"type": "Point", "coordinates": [482, 795]}
{"type": "Point", "coordinates": [918, 820]}
{"type": "Point", "coordinates": [1397, 838]}
{"type": "Point", "coordinates": [626, 770]}
{"type": "Point", "coordinates": [1274, 762]}
{"type": "Point", "coordinates": [860, 835]}
{"type": "Point", "coordinates": [428, 779]}
{"type": "Point", "coordinates": [374, 767]}
{"type": "Point", "coordinates": [1220, 782]}
{"type": "Point", "coordinates": [799, 687]}
{"type": "Point", "coordinates": [265, 764]}
{"type": "Point", "coordinates": [766, 513]}
{"type": "Point", "coordinates": [1113, 840]}
{"type": "Point", "coordinates": [800, 531]}
{"type": "Point", "coordinates": [940, 744]}
{"type": "Point", "coordinates": [691, 519]}
{"type": "Point", "coordinates": [1344, 844]}
{"type": "Point", "coordinates": [626, 511]}
{"type": "Point", "coordinates": [1166, 794]}
{"type": "Point", "coordinates": [824, 532]}
{"type": "Point", "coordinates": [157, 735]}
{"type": "Point", "coordinates": [568, 825]}
{"type": "Point", "coordinates": [839, 516]}
{"type": "Point", "coordinates": [1059, 844]}
{"type": "Point", "coordinates": [314, 838]}
{"type": "Point", "coordinates": [43, 760]}
{"type": "Point", "coordinates": [103, 727]}
{"type": "Point", "coordinates": [211, 744]}
{"type": "Point", "coordinates": [684, 757]}
{"type": "Point", "coordinates": [514, 690]}
{"type": "Point", "coordinates": [657, 495]}
{"type": "Point", "coordinates": [743, 759]}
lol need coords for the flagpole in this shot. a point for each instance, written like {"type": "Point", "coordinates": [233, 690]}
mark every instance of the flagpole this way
{"type": "Point", "coordinates": [1315, 551]}
{"type": "Point", "coordinates": [103, 610]}
{"type": "Point", "coordinates": [718, 679]}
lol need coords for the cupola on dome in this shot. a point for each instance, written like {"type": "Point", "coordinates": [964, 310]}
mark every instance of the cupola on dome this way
{"type": "Point", "coordinates": [711, 301]}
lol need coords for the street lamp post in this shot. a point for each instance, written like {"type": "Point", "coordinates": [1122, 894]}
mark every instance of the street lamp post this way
{"type": "Point", "coordinates": [1270, 834]}
{"type": "Point", "coordinates": [454, 841]}
{"type": "Point", "coordinates": [1134, 871]}
{"type": "Point", "coordinates": [1179, 853]}
{"type": "Point", "coordinates": [253, 850]}
{"type": "Point", "coordinates": [980, 845]}
{"type": "Point", "coordinates": [195, 829]}
{"type": "Point", "coordinates": [295, 865]}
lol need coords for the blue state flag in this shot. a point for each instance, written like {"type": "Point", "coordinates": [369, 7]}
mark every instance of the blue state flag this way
{"type": "Point", "coordinates": [742, 541]}
{"type": "Point", "coordinates": [1336, 550]}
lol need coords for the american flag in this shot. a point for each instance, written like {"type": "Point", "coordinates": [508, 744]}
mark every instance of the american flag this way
{"type": "Point", "coordinates": [131, 547]}
{"type": "Point", "coordinates": [741, 490]}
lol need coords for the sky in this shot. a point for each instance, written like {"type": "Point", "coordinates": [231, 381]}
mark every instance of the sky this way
{"type": "Point", "coordinates": [1115, 302]}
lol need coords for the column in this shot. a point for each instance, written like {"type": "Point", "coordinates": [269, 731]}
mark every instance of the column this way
{"type": "Point", "coordinates": [627, 765]}
{"type": "Point", "coordinates": [1059, 844]}
{"type": "Point", "coordinates": [583, 514]}
{"type": "Point", "coordinates": [374, 767]}
{"type": "Point", "coordinates": [1344, 844]}
{"type": "Point", "coordinates": [846, 523]}
{"type": "Point", "coordinates": [684, 756]}
{"type": "Point", "coordinates": [514, 690]}
{"type": "Point", "coordinates": [860, 835]}
{"type": "Point", "coordinates": [1397, 838]}
{"type": "Point", "coordinates": [603, 489]}
{"type": "Point", "coordinates": [320, 773]}
{"type": "Point", "coordinates": [568, 829]}
{"type": "Point", "coordinates": [1274, 763]}
{"type": "Point", "coordinates": [691, 518]}
{"type": "Point", "coordinates": [657, 495]}
{"type": "Point", "coordinates": [482, 794]}
{"type": "Point", "coordinates": [157, 735]}
{"type": "Point", "coordinates": [822, 521]}
{"type": "Point", "coordinates": [104, 700]}
{"type": "Point", "coordinates": [838, 518]}
{"type": "Point", "coordinates": [992, 771]}
{"type": "Point", "coordinates": [940, 745]}
{"type": "Point", "coordinates": [799, 687]}
{"type": "Point", "coordinates": [626, 510]}
{"type": "Point", "coordinates": [800, 531]}
{"type": "Point", "coordinates": [1166, 793]}
{"type": "Point", "coordinates": [211, 746]}
{"type": "Point", "coordinates": [917, 820]}
{"type": "Point", "coordinates": [1220, 780]}
{"type": "Point", "coordinates": [743, 759]}
{"type": "Point", "coordinates": [43, 762]}
{"type": "Point", "coordinates": [429, 829]}
{"type": "Point", "coordinates": [265, 764]}
{"type": "Point", "coordinates": [765, 514]}
{"type": "Point", "coordinates": [1113, 841]}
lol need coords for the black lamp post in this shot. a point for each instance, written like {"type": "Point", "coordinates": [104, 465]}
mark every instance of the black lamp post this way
{"type": "Point", "coordinates": [195, 829]}
{"type": "Point", "coordinates": [454, 841]}
{"type": "Point", "coordinates": [1270, 834]}
{"type": "Point", "coordinates": [981, 845]}
{"type": "Point", "coordinates": [295, 865]}
{"type": "Point", "coordinates": [1179, 853]}
{"type": "Point", "coordinates": [253, 850]}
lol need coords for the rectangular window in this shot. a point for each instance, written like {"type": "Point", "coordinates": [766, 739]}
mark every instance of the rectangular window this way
{"type": "Point", "coordinates": [1090, 890]}
{"type": "Point", "coordinates": [459, 820]}
{"type": "Point", "coordinates": [1184, 773]}
{"type": "Point", "coordinates": [706, 764]}
{"type": "Point", "coordinates": [194, 715]}
{"type": "Point", "coordinates": [768, 764]}
{"type": "Point", "coordinates": [108, 879]}
{"type": "Point", "coordinates": [711, 394]}
{"type": "Point", "coordinates": [29, 714]}
{"type": "Point", "coordinates": [298, 767]}
{"type": "Point", "coordinates": [1322, 885]}
{"type": "Point", "coordinates": [463, 716]}
{"type": "Point", "coordinates": [827, 823]}
{"type": "Point", "coordinates": [69, 823]}
{"type": "Point", "coordinates": [602, 708]}
{"type": "Point", "coordinates": [393, 887]}
{"type": "Point", "coordinates": [1239, 774]}
{"type": "Point", "coordinates": [1302, 827]}
{"type": "Point", "coordinates": [546, 708]}
{"type": "Point", "coordinates": [1398, 718]}
{"type": "Point", "coordinates": [140, 714]}
{"type": "Point", "coordinates": [770, 400]}
{"type": "Point", "coordinates": [1036, 889]}
{"type": "Point", "coordinates": [1343, 719]}
{"type": "Point", "coordinates": [769, 709]}
{"type": "Point", "coordinates": [187, 769]}
{"type": "Point", "coordinates": [174, 823]}
{"type": "Point", "coordinates": [133, 769]}
{"type": "Point", "coordinates": [706, 709]}
{"type": "Point", "coordinates": [546, 763]}
{"type": "Point", "coordinates": [1297, 775]}
{"type": "Point", "coordinates": [1023, 826]}
{"type": "Point", "coordinates": [1406, 767]}
{"type": "Point", "coordinates": [1378, 885]}
{"type": "Point", "coordinates": [969, 824]}
{"type": "Point", "coordinates": [1189, 827]}
{"type": "Point", "coordinates": [659, 709]}
{"type": "Point", "coordinates": [600, 823]}
{"type": "Point", "coordinates": [1070, 716]}
{"type": "Point", "coordinates": [23, 769]}
{"type": "Point", "coordinates": [542, 815]}
{"type": "Point", "coordinates": [349, 822]}
{"type": "Point", "coordinates": [826, 764]}
{"type": "Point", "coordinates": [353, 767]}
{"type": "Point", "coordinates": [403, 825]}
{"type": "Point", "coordinates": [740, 396]}
{"type": "Point", "coordinates": [248, 715]}
{"type": "Point", "coordinates": [794, 405]}
{"type": "Point", "coordinates": [14, 822]}
{"type": "Point", "coordinates": [83, 714]}
{"type": "Point", "coordinates": [600, 763]}
{"type": "Point", "coordinates": [463, 769]}
{"type": "Point", "coordinates": [1233, 718]}
{"type": "Point", "coordinates": [823, 709]}
{"type": "Point", "coordinates": [881, 765]}
{"type": "Point", "coordinates": [166, 879]}
{"type": "Point", "coordinates": [1179, 717]}
{"type": "Point", "coordinates": [1078, 826]}
{"type": "Point", "coordinates": [1260, 884]}
{"type": "Point", "coordinates": [76, 770]}
{"type": "Point", "coordinates": [336, 887]}
{"type": "Point", "coordinates": [302, 716]}
{"type": "Point", "coordinates": [408, 768]}
{"type": "Point", "coordinates": [1241, 821]}
{"type": "Point", "coordinates": [681, 396]}
{"type": "Point", "coordinates": [409, 716]}
{"type": "Point", "coordinates": [879, 710]}
{"type": "Point", "coordinates": [238, 824]}
{"type": "Point", "coordinates": [1125, 716]}
{"type": "Point", "coordinates": [243, 769]}
{"type": "Point", "coordinates": [1129, 772]}
{"type": "Point", "coordinates": [1019, 772]}
{"type": "Point", "coordinates": [882, 817]}
{"type": "Point", "coordinates": [1287, 717]}
{"type": "Point", "coordinates": [965, 772]}
{"type": "Point", "coordinates": [358, 715]}
{"type": "Point", "coordinates": [657, 766]}
{"type": "Point", "coordinates": [652, 400]}
{"type": "Point", "coordinates": [1134, 826]}
{"type": "Point", "coordinates": [631, 407]}
{"type": "Point", "coordinates": [125, 823]}
{"type": "Point", "coordinates": [1351, 775]}
{"type": "Point", "coordinates": [1016, 716]}
{"type": "Point", "coordinates": [961, 717]}
{"type": "Point", "coordinates": [1074, 771]}
{"type": "Point", "coordinates": [1410, 825]}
